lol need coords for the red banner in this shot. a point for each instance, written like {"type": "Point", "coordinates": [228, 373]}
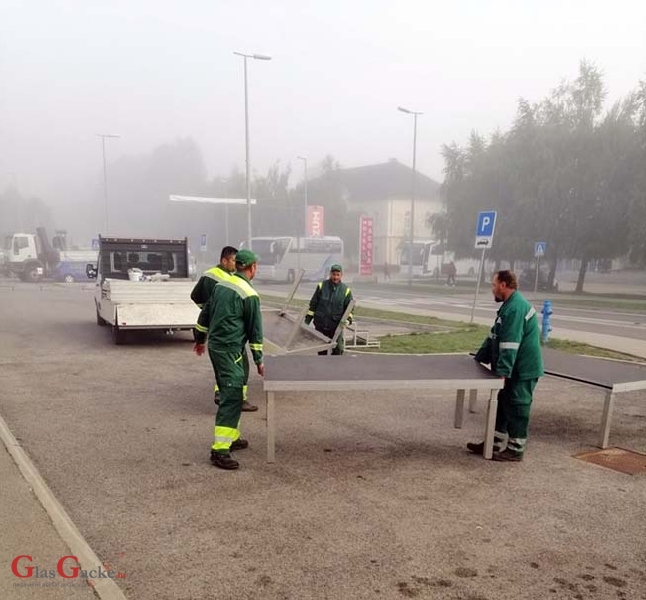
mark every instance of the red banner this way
{"type": "Point", "coordinates": [365, 245]}
{"type": "Point", "coordinates": [315, 221]}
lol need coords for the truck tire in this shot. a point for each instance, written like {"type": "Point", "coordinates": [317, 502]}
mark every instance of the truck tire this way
{"type": "Point", "coordinates": [31, 274]}
{"type": "Point", "coordinates": [118, 335]}
{"type": "Point", "coordinates": [100, 321]}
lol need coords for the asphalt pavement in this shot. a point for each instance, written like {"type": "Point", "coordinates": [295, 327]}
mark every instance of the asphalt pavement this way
{"type": "Point", "coordinates": [372, 495]}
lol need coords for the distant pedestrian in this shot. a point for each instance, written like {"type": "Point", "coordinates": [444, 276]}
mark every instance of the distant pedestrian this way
{"type": "Point", "coordinates": [451, 272]}
{"type": "Point", "coordinates": [513, 350]}
{"type": "Point", "coordinates": [386, 271]}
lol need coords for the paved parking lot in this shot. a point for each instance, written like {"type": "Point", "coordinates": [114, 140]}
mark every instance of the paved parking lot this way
{"type": "Point", "coordinates": [372, 495]}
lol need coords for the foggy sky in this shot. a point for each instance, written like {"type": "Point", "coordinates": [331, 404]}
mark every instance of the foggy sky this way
{"type": "Point", "coordinates": [153, 71]}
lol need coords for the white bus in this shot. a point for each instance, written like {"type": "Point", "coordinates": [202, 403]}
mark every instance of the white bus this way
{"type": "Point", "coordinates": [279, 257]}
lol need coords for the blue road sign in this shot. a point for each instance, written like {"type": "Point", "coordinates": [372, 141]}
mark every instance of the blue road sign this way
{"type": "Point", "coordinates": [539, 249]}
{"type": "Point", "coordinates": [95, 244]}
{"type": "Point", "coordinates": [203, 242]}
{"type": "Point", "coordinates": [485, 228]}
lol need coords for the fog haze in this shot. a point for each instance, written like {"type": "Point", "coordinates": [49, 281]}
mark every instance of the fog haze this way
{"type": "Point", "coordinates": [154, 72]}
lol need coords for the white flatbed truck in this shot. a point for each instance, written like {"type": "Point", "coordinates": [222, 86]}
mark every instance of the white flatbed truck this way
{"type": "Point", "coordinates": [143, 284]}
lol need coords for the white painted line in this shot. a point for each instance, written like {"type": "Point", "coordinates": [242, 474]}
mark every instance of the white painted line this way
{"type": "Point", "coordinates": [105, 588]}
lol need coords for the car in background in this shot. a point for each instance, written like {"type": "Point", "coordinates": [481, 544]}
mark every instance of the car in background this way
{"type": "Point", "coordinates": [527, 281]}
{"type": "Point", "coordinates": [70, 271]}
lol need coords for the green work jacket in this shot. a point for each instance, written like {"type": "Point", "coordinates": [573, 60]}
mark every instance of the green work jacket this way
{"type": "Point", "coordinates": [231, 318]}
{"type": "Point", "coordinates": [204, 287]}
{"type": "Point", "coordinates": [328, 304]}
{"type": "Point", "coordinates": [513, 347]}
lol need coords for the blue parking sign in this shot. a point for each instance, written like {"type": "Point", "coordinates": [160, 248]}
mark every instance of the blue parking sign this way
{"type": "Point", "coordinates": [95, 244]}
{"type": "Point", "coordinates": [539, 249]}
{"type": "Point", "coordinates": [485, 228]}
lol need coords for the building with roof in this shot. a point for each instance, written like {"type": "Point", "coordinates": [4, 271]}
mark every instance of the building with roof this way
{"type": "Point", "coordinates": [383, 192]}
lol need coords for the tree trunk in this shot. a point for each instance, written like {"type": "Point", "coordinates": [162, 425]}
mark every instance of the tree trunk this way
{"type": "Point", "coordinates": [581, 277]}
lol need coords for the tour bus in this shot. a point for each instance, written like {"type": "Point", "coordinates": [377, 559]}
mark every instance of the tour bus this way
{"type": "Point", "coordinates": [280, 257]}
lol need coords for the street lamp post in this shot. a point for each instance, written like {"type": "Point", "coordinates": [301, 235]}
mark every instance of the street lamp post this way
{"type": "Point", "coordinates": [304, 230]}
{"type": "Point", "coordinates": [246, 129]}
{"type": "Point", "coordinates": [412, 200]}
{"type": "Point", "coordinates": [103, 137]}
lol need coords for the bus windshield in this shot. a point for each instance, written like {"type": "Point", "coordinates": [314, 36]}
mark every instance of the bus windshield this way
{"type": "Point", "coordinates": [280, 258]}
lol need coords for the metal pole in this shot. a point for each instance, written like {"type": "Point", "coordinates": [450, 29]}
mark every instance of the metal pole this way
{"type": "Point", "coordinates": [305, 216]}
{"type": "Point", "coordinates": [105, 189]}
{"type": "Point", "coordinates": [226, 224]}
{"type": "Point", "coordinates": [538, 260]}
{"type": "Point", "coordinates": [475, 298]}
{"type": "Point", "coordinates": [412, 204]}
{"type": "Point", "coordinates": [247, 154]}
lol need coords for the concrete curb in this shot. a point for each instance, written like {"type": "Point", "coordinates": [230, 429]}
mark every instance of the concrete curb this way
{"type": "Point", "coordinates": [106, 589]}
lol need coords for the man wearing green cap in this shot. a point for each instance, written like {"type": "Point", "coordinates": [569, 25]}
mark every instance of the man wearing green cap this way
{"type": "Point", "coordinates": [201, 293]}
{"type": "Point", "coordinates": [328, 304]}
{"type": "Point", "coordinates": [231, 318]}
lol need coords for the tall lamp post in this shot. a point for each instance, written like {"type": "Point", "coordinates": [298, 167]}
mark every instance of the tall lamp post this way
{"type": "Point", "coordinates": [103, 137]}
{"type": "Point", "coordinates": [246, 130]}
{"type": "Point", "coordinates": [412, 199]}
{"type": "Point", "coordinates": [304, 230]}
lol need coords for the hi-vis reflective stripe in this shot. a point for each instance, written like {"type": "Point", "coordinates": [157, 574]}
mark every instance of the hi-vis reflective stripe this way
{"type": "Point", "coordinates": [201, 328]}
{"type": "Point", "coordinates": [224, 437]}
{"type": "Point", "coordinates": [217, 274]}
{"type": "Point", "coordinates": [310, 313]}
{"type": "Point", "coordinates": [509, 345]}
{"type": "Point", "coordinates": [530, 314]}
{"type": "Point", "coordinates": [255, 346]}
{"type": "Point", "coordinates": [517, 444]}
{"type": "Point", "coordinates": [347, 291]}
{"type": "Point", "coordinates": [242, 288]}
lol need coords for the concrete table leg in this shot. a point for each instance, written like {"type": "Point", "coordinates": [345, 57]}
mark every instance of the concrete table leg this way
{"type": "Point", "coordinates": [459, 409]}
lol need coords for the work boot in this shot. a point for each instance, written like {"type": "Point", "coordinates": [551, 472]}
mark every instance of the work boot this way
{"type": "Point", "coordinates": [479, 448]}
{"type": "Point", "coordinates": [246, 407]}
{"type": "Point", "coordinates": [224, 461]}
{"type": "Point", "coordinates": [216, 398]}
{"type": "Point", "coordinates": [508, 455]}
{"type": "Point", "coordinates": [239, 444]}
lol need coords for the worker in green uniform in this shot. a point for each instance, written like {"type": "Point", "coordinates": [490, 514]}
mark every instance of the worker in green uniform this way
{"type": "Point", "coordinates": [231, 318]}
{"type": "Point", "coordinates": [202, 292]}
{"type": "Point", "coordinates": [327, 306]}
{"type": "Point", "coordinates": [513, 350]}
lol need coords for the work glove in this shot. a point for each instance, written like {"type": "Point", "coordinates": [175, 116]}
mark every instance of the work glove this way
{"type": "Point", "coordinates": [350, 320]}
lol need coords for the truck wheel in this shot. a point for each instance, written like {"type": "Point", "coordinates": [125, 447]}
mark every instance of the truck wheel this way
{"type": "Point", "coordinates": [291, 276]}
{"type": "Point", "coordinates": [31, 275]}
{"type": "Point", "coordinates": [100, 320]}
{"type": "Point", "coordinates": [118, 335]}
{"type": "Point", "coordinates": [68, 279]}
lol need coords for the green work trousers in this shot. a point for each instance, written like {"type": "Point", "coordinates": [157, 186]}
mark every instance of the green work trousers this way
{"type": "Point", "coordinates": [512, 417]}
{"type": "Point", "coordinates": [230, 374]}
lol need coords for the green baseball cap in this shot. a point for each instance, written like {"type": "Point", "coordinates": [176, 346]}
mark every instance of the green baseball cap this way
{"type": "Point", "coordinates": [336, 267]}
{"type": "Point", "coordinates": [244, 258]}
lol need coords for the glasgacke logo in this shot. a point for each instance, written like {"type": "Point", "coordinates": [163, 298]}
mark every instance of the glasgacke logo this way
{"type": "Point", "coordinates": [21, 566]}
